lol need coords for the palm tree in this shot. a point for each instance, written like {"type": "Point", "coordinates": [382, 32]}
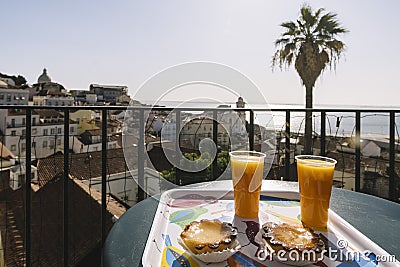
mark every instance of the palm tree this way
{"type": "Point", "coordinates": [310, 43]}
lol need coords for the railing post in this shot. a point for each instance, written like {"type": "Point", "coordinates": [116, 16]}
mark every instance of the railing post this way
{"type": "Point", "coordinates": [215, 139]}
{"type": "Point", "coordinates": [141, 155]}
{"type": "Point", "coordinates": [103, 175]}
{"type": "Point", "coordinates": [65, 185]}
{"type": "Point", "coordinates": [28, 175]}
{"type": "Point", "coordinates": [392, 153]}
{"type": "Point", "coordinates": [358, 152]}
{"type": "Point", "coordinates": [323, 133]}
{"type": "Point", "coordinates": [177, 146]}
{"type": "Point", "coordinates": [251, 131]}
{"type": "Point", "coordinates": [287, 145]}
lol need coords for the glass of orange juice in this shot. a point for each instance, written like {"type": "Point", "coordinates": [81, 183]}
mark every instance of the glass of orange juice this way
{"type": "Point", "coordinates": [315, 175]}
{"type": "Point", "coordinates": [247, 174]}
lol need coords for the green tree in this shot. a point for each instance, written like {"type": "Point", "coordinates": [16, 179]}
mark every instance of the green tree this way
{"type": "Point", "coordinates": [202, 176]}
{"type": "Point", "coordinates": [19, 80]}
{"type": "Point", "coordinates": [310, 42]}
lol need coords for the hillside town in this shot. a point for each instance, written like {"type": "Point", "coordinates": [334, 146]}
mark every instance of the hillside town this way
{"type": "Point", "coordinates": [85, 145]}
{"type": "Point", "coordinates": [85, 135]}
{"type": "Point", "coordinates": [85, 163]}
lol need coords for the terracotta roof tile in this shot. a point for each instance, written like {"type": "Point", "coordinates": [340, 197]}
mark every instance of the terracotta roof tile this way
{"type": "Point", "coordinates": [82, 166]}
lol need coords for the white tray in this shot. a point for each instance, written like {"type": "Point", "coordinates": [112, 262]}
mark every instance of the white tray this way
{"type": "Point", "coordinates": [179, 207]}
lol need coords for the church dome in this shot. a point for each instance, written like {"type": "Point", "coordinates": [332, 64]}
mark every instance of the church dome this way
{"type": "Point", "coordinates": [44, 78]}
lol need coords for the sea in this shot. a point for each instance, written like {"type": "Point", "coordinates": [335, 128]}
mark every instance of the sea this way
{"type": "Point", "coordinates": [374, 124]}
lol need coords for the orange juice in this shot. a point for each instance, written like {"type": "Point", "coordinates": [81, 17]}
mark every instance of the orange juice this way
{"type": "Point", "coordinates": [247, 174]}
{"type": "Point", "coordinates": [315, 183]}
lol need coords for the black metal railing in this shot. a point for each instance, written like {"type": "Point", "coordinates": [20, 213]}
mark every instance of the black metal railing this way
{"type": "Point", "coordinates": [141, 152]}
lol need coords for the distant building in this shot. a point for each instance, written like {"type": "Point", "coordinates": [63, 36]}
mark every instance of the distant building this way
{"type": "Point", "coordinates": [199, 128]}
{"type": "Point", "coordinates": [9, 95]}
{"type": "Point", "coordinates": [91, 99]}
{"type": "Point", "coordinates": [44, 86]}
{"type": "Point", "coordinates": [369, 147]}
{"type": "Point", "coordinates": [231, 128]}
{"type": "Point", "coordinates": [91, 140]}
{"type": "Point", "coordinates": [47, 131]}
{"type": "Point", "coordinates": [123, 100]}
{"type": "Point", "coordinates": [108, 93]}
{"type": "Point", "coordinates": [13, 170]}
{"type": "Point", "coordinates": [54, 99]}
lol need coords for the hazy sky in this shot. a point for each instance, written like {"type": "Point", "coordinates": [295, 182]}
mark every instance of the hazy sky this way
{"type": "Point", "coordinates": [126, 42]}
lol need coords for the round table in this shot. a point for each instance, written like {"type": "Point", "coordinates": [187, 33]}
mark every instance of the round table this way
{"type": "Point", "coordinates": [376, 218]}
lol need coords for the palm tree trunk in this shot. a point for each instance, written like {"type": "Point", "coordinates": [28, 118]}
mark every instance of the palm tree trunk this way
{"type": "Point", "coordinates": [308, 126]}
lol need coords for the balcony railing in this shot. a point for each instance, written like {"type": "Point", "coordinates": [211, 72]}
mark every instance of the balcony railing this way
{"type": "Point", "coordinates": [67, 256]}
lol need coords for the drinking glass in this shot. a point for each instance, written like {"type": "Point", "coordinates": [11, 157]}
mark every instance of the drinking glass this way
{"type": "Point", "coordinates": [247, 174]}
{"type": "Point", "coordinates": [315, 176]}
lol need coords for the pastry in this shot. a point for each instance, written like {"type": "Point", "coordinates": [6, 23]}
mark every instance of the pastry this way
{"type": "Point", "coordinates": [292, 243]}
{"type": "Point", "coordinates": [209, 236]}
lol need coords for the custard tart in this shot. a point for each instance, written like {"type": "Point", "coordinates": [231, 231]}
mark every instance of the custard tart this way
{"type": "Point", "coordinates": [207, 236]}
{"type": "Point", "coordinates": [295, 244]}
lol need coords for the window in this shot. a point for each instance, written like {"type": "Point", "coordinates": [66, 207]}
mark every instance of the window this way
{"type": "Point", "coordinates": [13, 147]}
{"type": "Point", "coordinates": [23, 132]}
{"type": "Point", "coordinates": [71, 129]}
{"type": "Point", "coordinates": [13, 133]}
{"type": "Point", "coordinates": [44, 143]}
{"type": "Point", "coordinates": [52, 131]}
{"type": "Point", "coordinates": [12, 122]}
{"type": "Point", "coordinates": [1, 96]}
{"type": "Point", "coordinates": [8, 98]}
{"type": "Point", "coordinates": [33, 121]}
{"type": "Point", "coordinates": [23, 121]}
{"type": "Point", "coordinates": [59, 142]}
{"type": "Point", "coordinates": [45, 132]}
{"type": "Point", "coordinates": [59, 130]}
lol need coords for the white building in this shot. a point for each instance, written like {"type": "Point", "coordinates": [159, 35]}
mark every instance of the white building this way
{"type": "Point", "coordinates": [124, 185]}
{"type": "Point", "coordinates": [231, 128]}
{"type": "Point", "coordinates": [47, 131]}
{"type": "Point", "coordinates": [368, 148]}
{"type": "Point", "coordinates": [168, 131]}
{"type": "Point", "coordinates": [18, 176]}
{"type": "Point", "coordinates": [53, 99]}
{"type": "Point", "coordinates": [13, 96]}
{"type": "Point", "coordinates": [108, 93]}
{"type": "Point", "coordinates": [91, 140]}
{"type": "Point", "coordinates": [91, 99]}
